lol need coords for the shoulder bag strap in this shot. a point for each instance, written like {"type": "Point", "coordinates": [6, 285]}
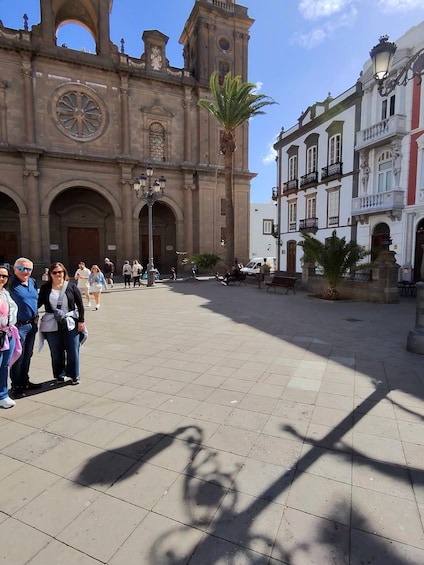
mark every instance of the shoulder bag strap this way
{"type": "Point", "coordinates": [61, 295]}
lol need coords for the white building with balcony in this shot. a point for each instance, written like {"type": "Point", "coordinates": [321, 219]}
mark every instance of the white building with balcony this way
{"type": "Point", "coordinates": [317, 174]}
{"type": "Point", "coordinates": [389, 205]}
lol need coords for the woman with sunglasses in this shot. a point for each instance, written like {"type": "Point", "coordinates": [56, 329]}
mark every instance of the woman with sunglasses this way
{"type": "Point", "coordinates": [59, 295]}
{"type": "Point", "coordinates": [9, 338]}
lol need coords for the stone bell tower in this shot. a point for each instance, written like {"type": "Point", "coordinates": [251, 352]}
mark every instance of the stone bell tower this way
{"type": "Point", "coordinates": [215, 37]}
{"type": "Point", "coordinates": [92, 14]}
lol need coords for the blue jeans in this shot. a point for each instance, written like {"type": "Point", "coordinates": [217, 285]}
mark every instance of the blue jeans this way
{"type": "Point", "coordinates": [64, 350]}
{"type": "Point", "coordinates": [19, 373]}
{"type": "Point", "coordinates": [4, 368]}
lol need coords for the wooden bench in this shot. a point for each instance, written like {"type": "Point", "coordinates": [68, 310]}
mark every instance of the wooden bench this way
{"type": "Point", "coordinates": [279, 281]}
{"type": "Point", "coordinates": [240, 279]}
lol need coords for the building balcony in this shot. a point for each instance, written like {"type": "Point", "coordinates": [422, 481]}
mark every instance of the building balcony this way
{"type": "Point", "coordinates": [290, 186]}
{"type": "Point", "coordinates": [391, 202]}
{"type": "Point", "coordinates": [310, 179]}
{"type": "Point", "coordinates": [309, 225]}
{"type": "Point", "coordinates": [330, 172]}
{"type": "Point", "coordinates": [381, 133]}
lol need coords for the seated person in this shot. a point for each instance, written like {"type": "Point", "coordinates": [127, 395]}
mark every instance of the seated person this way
{"type": "Point", "coordinates": [234, 275]}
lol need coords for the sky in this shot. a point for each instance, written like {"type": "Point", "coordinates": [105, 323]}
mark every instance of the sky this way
{"type": "Point", "coordinates": [299, 51]}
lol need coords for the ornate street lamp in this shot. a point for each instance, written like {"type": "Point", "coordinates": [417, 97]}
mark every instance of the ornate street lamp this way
{"type": "Point", "coordinates": [150, 192]}
{"type": "Point", "coordinates": [382, 58]}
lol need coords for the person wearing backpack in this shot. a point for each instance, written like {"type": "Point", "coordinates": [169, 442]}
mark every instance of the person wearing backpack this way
{"type": "Point", "coordinates": [127, 272]}
{"type": "Point", "coordinates": [137, 271]}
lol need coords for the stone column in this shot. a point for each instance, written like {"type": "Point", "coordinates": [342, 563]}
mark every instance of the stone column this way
{"type": "Point", "coordinates": [415, 340]}
{"type": "Point", "coordinates": [407, 260]}
{"type": "Point", "coordinates": [187, 126]}
{"type": "Point", "coordinates": [125, 132]}
{"type": "Point", "coordinates": [3, 118]}
{"type": "Point", "coordinates": [127, 251]}
{"type": "Point", "coordinates": [29, 113]}
{"type": "Point", "coordinates": [188, 219]}
{"type": "Point", "coordinates": [32, 199]}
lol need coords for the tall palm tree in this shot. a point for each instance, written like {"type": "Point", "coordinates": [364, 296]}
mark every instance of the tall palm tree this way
{"type": "Point", "coordinates": [336, 257]}
{"type": "Point", "coordinates": [233, 104]}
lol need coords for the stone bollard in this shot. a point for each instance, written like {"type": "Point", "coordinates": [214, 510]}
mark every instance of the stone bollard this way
{"type": "Point", "coordinates": [384, 287]}
{"type": "Point", "coordinates": [415, 341]}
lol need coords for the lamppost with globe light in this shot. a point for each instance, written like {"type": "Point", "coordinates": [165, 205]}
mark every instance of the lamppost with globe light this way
{"type": "Point", "coordinates": [150, 191]}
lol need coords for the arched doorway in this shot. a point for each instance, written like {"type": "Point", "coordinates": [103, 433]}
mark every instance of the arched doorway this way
{"type": "Point", "coordinates": [291, 257]}
{"type": "Point", "coordinates": [82, 228]}
{"type": "Point", "coordinates": [9, 230]}
{"type": "Point", "coordinates": [419, 252]}
{"type": "Point", "coordinates": [380, 240]}
{"type": "Point", "coordinates": [164, 237]}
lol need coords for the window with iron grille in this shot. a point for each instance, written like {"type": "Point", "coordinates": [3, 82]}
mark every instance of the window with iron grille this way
{"type": "Point", "coordinates": [311, 159]}
{"type": "Point", "coordinates": [311, 207]}
{"type": "Point", "coordinates": [157, 141]}
{"type": "Point", "coordinates": [292, 167]}
{"type": "Point", "coordinates": [334, 149]}
{"type": "Point", "coordinates": [292, 216]}
{"type": "Point", "coordinates": [333, 203]}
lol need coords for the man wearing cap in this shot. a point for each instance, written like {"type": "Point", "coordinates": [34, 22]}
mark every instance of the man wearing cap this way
{"type": "Point", "coordinates": [23, 291]}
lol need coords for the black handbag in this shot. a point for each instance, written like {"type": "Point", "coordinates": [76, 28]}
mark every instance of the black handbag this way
{"type": "Point", "coordinates": [2, 338]}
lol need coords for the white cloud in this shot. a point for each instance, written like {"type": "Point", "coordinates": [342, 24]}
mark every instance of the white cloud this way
{"type": "Point", "coordinates": [315, 9]}
{"type": "Point", "coordinates": [271, 155]}
{"type": "Point", "coordinates": [399, 5]}
{"type": "Point", "coordinates": [311, 39]}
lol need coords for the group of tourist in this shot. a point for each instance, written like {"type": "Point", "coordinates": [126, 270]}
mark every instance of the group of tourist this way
{"type": "Point", "coordinates": [62, 324]}
{"type": "Point", "coordinates": [132, 272]}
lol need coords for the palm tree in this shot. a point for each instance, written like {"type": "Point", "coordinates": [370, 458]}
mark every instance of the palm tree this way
{"type": "Point", "coordinates": [233, 104]}
{"type": "Point", "coordinates": [335, 256]}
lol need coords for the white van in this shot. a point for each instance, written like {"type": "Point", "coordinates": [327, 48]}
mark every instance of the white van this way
{"type": "Point", "coordinates": [253, 267]}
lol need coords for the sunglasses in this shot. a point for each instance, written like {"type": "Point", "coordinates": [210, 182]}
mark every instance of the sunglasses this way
{"type": "Point", "coordinates": [4, 276]}
{"type": "Point", "coordinates": [57, 272]}
{"type": "Point", "coordinates": [24, 269]}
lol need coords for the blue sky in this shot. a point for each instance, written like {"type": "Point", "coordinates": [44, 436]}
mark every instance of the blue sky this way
{"type": "Point", "coordinates": [299, 51]}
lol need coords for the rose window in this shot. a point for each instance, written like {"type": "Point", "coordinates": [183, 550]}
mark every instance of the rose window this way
{"type": "Point", "coordinates": [79, 115]}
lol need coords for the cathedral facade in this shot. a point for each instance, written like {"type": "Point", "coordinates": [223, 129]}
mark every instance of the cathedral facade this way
{"type": "Point", "coordinates": [76, 130]}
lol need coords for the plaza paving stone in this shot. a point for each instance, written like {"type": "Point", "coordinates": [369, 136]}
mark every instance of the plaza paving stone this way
{"type": "Point", "coordinates": [221, 425]}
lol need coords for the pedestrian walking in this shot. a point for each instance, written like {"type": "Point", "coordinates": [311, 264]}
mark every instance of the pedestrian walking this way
{"type": "Point", "coordinates": [81, 276]}
{"type": "Point", "coordinates": [23, 291]}
{"type": "Point", "coordinates": [137, 271]}
{"type": "Point", "coordinates": [10, 345]}
{"type": "Point", "coordinates": [62, 323]}
{"type": "Point", "coordinates": [108, 271]}
{"type": "Point", "coordinates": [97, 283]}
{"type": "Point", "coordinates": [126, 273]}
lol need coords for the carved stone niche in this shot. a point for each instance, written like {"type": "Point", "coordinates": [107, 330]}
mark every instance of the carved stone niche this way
{"type": "Point", "coordinates": [154, 55]}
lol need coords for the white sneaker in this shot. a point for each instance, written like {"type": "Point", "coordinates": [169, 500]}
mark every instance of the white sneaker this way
{"type": "Point", "coordinates": [97, 306]}
{"type": "Point", "coordinates": [7, 403]}
{"type": "Point", "coordinates": [89, 305]}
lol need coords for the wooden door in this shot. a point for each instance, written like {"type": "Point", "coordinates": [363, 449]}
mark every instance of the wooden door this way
{"type": "Point", "coordinates": [83, 245]}
{"type": "Point", "coordinates": [291, 257]}
{"type": "Point", "coordinates": [145, 250]}
{"type": "Point", "coordinates": [8, 247]}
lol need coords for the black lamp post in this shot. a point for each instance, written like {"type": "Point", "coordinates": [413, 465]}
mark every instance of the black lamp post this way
{"type": "Point", "coordinates": [382, 58]}
{"type": "Point", "coordinates": [149, 192]}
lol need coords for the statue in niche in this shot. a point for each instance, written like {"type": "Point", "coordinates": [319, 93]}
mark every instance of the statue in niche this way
{"type": "Point", "coordinates": [156, 58]}
{"type": "Point", "coordinates": [365, 170]}
{"type": "Point", "coordinates": [396, 161]}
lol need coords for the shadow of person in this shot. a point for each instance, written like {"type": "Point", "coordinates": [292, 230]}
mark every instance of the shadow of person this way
{"type": "Point", "coordinates": [106, 468]}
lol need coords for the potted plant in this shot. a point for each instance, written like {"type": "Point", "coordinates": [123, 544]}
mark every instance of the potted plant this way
{"type": "Point", "coordinates": [336, 256]}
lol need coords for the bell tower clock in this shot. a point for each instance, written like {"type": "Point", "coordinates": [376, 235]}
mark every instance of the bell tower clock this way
{"type": "Point", "coordinates": [215, 38]}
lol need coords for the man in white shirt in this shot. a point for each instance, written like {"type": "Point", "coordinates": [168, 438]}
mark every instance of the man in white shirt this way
{"type": "Point", "coordinates": [81, 276]}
